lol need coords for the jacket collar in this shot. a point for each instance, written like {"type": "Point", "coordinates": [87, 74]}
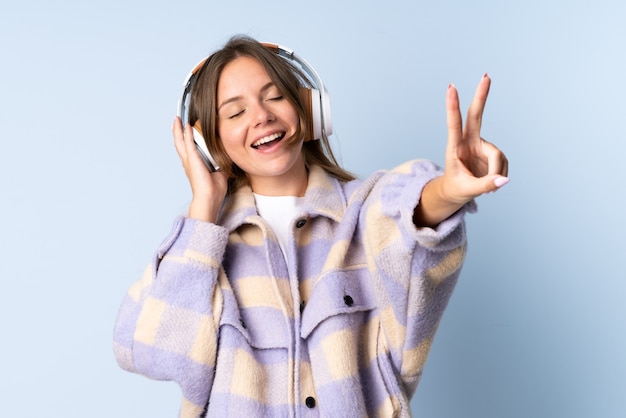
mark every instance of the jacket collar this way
{"type": "Point", "coordinates": [324, 196]}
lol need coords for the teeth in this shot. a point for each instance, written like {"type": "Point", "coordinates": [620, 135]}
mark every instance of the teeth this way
{"type": "Point", "coordinates": [267, 139]}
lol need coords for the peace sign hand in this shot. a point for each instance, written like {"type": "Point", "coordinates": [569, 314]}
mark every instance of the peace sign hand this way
{"type": "Point", "coordinates": [473, 165]}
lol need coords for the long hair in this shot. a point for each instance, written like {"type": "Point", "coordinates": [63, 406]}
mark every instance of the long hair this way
{"type": "Point", "coordinates": [287, 78]}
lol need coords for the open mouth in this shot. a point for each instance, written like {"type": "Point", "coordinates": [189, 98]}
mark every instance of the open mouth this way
{"type": "Point", "coordinates": [268, 140]}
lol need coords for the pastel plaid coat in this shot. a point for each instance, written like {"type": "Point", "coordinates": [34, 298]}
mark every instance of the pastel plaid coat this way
{"type": "Point", "coordinates": [342, 330]}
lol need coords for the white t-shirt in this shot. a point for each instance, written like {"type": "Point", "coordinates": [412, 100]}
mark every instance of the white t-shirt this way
{"type": "Point", "coordinates": [278, 212]}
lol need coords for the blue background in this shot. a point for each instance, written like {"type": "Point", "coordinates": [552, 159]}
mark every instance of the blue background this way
{"type": "Point", "coordinates": [90, 184]}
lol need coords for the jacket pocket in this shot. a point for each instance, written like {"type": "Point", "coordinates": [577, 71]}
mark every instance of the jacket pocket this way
{"type": "Point", "coordinates": [341, 325]}
{"type": "Point", "coordinates": [339, 292]}
{"type": "Point", "coordinates": [260, 328]}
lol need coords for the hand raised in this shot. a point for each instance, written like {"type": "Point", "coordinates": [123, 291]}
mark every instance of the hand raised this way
{"type": "Point", "coordinates": [473, 165]}
{"type": "Point", "coordinates": [208, 189]}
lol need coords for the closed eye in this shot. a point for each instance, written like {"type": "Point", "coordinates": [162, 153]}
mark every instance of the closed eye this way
{"type": "Point", "coordinates": [237, 114]}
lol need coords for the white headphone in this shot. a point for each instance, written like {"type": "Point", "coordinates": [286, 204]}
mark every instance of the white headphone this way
{"type": "Point", "coordinates": [316, 102]}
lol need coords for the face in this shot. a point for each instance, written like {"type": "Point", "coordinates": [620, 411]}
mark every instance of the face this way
{"type": "Point", "coordinates": [253, 121]}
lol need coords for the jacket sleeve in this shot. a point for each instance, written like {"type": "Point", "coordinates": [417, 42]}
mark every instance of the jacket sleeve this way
{"type": "Point", "coordinates": [166, 328]}
{"type": "Point", "coordinates": [414, 269]}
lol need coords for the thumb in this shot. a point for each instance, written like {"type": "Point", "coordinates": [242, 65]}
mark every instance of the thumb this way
{"type": "Point", "coordinates": [494, 182]}
{"type": "Point", "coordinates": [487, 184]}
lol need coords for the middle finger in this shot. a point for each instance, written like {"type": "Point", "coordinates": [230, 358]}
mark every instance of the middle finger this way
{"type": "Point", "coordinates": [476, 109]}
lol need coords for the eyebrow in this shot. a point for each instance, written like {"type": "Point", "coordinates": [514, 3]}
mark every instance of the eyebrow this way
{"type": "Point", "coordinates": [235, 98]}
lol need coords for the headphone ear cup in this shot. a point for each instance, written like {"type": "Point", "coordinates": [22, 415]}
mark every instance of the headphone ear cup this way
{"type": "Point", "coordinates": [325, 113]}
{"type": "Point", "coordinates": [312, 107]}
{"type": "Point", "coordinates": [206, 156]}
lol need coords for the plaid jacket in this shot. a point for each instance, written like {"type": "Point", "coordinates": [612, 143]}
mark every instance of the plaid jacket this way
{"type": "Point", "coordinates": [342, 330]}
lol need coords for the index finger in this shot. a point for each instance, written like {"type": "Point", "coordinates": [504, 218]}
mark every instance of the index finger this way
{"type": "Point", "coordinates": [454, 119]}
{"type": "Point", "coordinates": [477, 107]}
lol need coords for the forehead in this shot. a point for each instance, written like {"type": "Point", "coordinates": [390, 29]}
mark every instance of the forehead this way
{"type": "Point", "coordinates": [240, 74]}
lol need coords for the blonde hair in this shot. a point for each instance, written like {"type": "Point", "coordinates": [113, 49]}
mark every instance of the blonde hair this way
{"type": "Point", "coordinates": [287, 78]}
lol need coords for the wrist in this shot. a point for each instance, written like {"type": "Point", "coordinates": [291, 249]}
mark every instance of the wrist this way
{"type": "Point", "coordinates": [203, 210]}
{"type": "Point", "coordinates": [435, 205]}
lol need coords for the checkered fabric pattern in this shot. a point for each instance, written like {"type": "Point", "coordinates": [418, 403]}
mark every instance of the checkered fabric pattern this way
{"type": "Point", "coordinates": [342, 330]}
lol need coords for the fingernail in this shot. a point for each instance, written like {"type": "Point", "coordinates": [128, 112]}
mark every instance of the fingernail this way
{"type": "Point", "coordinates": [500, 181]}
{"type": "Point", "coordinates": [450, 86]}
{"type": "Point", "coordinates": [485, 75]}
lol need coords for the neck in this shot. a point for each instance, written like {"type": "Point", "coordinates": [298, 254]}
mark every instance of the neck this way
{"type": "Point", "coordinates": [293, 183]}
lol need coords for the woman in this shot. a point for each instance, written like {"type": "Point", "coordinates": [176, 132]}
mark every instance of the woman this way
{"type": "Point", "coordinates": [290, 288]}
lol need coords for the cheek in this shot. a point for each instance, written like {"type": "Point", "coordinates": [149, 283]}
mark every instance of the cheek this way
{"type": "Point", "coordinates": [230, 136]}
{"type": "Point", "coordinates": [233, 143]}
{"type": "Point", "coordinates": [291, 116]}
{"type": "Point", "coordinates": [296, 119]}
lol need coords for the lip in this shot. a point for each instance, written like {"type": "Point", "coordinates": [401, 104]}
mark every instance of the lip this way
{"type": "Point", "coordinates": [269, 133]}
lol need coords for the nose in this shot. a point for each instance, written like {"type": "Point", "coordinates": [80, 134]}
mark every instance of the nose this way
{"type": "Point", "coordinates": [262, 114]}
